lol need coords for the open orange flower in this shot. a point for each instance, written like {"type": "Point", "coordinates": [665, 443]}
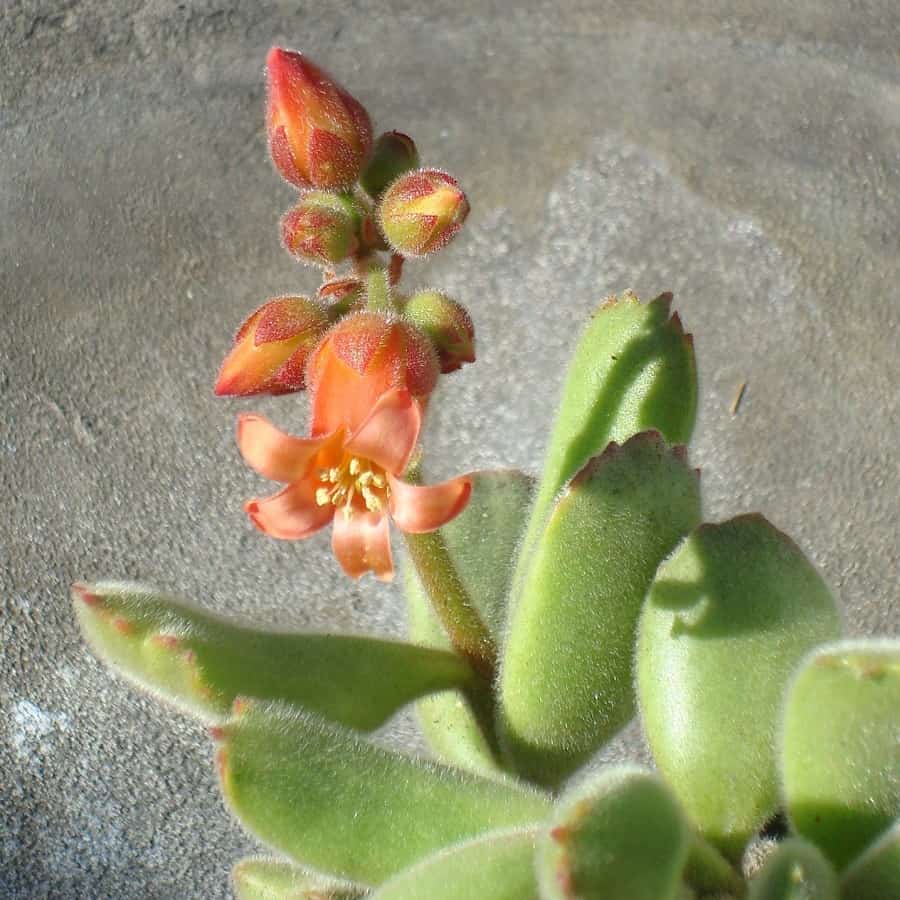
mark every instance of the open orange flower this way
{"type": "Point", "coordinates": [365, 355]}
{"type": "Point", "coordinates": [351, 479]}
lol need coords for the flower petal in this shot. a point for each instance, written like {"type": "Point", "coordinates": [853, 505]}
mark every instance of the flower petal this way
{"type": "Point", "coordinates": [273, 453]}
{"type": "Point", "coordinates": [362, 543]}
{"type": "Point", "coordinates": [340, 395]}
{"type": "Point", "coordinates": [389, 434]}
{"type": "Point", "coordinates": [292, 514]}
{"type": "Point", "coordinates": [418, 509]}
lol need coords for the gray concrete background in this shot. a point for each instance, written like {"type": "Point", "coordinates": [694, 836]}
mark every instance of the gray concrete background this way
{"type": "Point", "coordinates": [742, 154]}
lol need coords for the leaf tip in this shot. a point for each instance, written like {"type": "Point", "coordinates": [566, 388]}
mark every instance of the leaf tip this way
{"type": "Point", "coordinates": [83, 593]}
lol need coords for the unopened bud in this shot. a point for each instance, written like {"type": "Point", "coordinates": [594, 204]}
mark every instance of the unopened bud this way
{"type": "Point", "coordinates": [319, 135]}
{"type": "Point", "coordinates": [393, 155]}
{"type": "Point", "coordinates": [340, 291]}
{"type": "Point", "coordinates": [422, 211]}
{"type": "Point", "coordinates": [341, 296]}
{"type": "Point", "coordinates": [448, 326]}
{"type": "Point", "coordinates": [322, 228]}
{"type": "Point", "coordinates": [271, 348]}
{"type": "Point", "coordinates": [362, 357]}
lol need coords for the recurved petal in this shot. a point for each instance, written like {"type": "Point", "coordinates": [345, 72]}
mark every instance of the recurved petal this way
{"type": "Point", "coordinates": [362, 543]}
{"type": "Point", "coordinates": [273, 453]}
{"type": "Point", "coordinates": [417, 509]}
{"type": "Point", "coordinates": [292, 514]}
{"type": "Point", "coordinates": [388, 435]}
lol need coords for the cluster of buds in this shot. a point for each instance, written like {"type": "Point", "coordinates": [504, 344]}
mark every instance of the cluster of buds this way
{"type": "Point", "coordinates": [369, 355]}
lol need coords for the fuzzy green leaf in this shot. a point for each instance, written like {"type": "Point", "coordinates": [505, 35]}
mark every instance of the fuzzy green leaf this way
{"type": "Point", "coordinates": [875, 875]}
{"type": "Point", "coordinates": [727, 620]}
{"type": "Point", "coordinates": [202, 661]}
{"type": "Point", "coordinates": [494, 866]}
{"type": "Point", "coordinates": [566, 680]}
{"type": "Point", "coordinates": [482, 541]}
{"type": "Point", "coordinates": [619, 836]}
{"type": "Point", "coordinates": [796, 870]}
{"type": "Point", "coordinates": [265, 878]}
{"type": "Point", "coordinates": [632, 371]}
{"type": "Point", "coordinates": [338, 804]}
{"type": "Point", "coordinates": [841, 746]}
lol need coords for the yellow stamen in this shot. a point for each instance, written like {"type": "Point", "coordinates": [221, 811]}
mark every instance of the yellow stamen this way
{"type": "Point", "coordinates": [353, 478]}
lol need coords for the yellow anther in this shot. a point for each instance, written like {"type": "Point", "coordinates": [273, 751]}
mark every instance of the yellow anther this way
{"type": "Point", "coordinates": [373, 502]}
{"type": "Point", "coordinates": [354, 478]}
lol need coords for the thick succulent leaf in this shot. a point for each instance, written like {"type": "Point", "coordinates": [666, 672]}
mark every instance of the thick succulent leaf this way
{"type": "Point", "coordinates": [202, 661]}
{"type": "Point", "coordinates": [727, 620]}
{"type": "Point", "coordinates": [266, 878]}
{"type": "Point", "coordinates": [336, 803]}
{"type": "Point", "coordinates": [566, 680]}
{"type": "Point", "coordinates": [482, 541]}
{"type": "Point", "coordinates": [875, 875]}
{"type": "Point", "coordinates": [494, 866]}
{"type": "Point", "coordinates": [619, 836]}
{"type": "Point", "coordinates": [796, 870]}
{"type": "Point", "coordinates": [632, 371]}
{"type": "Point", "coordinates": [841, 746]}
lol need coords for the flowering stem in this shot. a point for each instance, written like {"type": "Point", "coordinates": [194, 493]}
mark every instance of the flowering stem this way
{"type": "Point", "coordinates": [378, 290]}
{"type": "Point", "coordinates": [451, 602]}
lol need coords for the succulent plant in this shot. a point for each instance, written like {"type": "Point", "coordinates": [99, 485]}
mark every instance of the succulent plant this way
{"type": "Point", "coordinates": [544, 613]}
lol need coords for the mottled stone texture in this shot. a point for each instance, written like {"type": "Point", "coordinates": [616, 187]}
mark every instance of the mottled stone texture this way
{"type": "Point", "coordinates": [742, 154]}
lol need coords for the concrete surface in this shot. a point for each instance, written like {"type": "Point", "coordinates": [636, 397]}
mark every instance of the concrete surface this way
{"type": "Point", "coordinates": [742, 154]}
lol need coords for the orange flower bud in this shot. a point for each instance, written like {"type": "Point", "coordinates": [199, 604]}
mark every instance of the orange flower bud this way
{"type": "Point", "coordinates": [448, 325]}
{"type": "Point", "coordinates": [362, 357]}
{"type": "Point", "coordinates": [271, 348]}
{"type": "Point", "coordinates": [393, 155]}
{"type": "Point", "coordinates": [422, 211]}
{"type": "Point", "coordinates": [322, 228]}
{"type": "Point", "coordinates": [318, 134]}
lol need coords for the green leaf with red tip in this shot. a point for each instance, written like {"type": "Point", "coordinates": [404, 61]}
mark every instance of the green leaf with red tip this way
{"type": "Point", "coordinates": [875, 874]}
{"type": "Point", "coordinates": [620, 835]}
{"type": "Point", "coordinates": [202, 662]}
{"type": "Point", "coordinates": [566, 679]}
{"type": "Point", "coordinates": [482, 542]}
{"type": "Point", "coordinates": [727, 620]}
{"type": "Point", "coordinates": [840, 748]}
{"type": "Point", "coordinates": [632, 371]}
{"type": "Point", "coordinates": [331, 801]}
{"type": "Point", "coordinates": [267, 878]}
{"type": "Point", "coordinates": [796, 870]}
{"type": "Point", "coordinates": [493, 866]}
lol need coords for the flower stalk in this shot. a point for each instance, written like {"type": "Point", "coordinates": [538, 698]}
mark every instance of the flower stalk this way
{"type": "Point", "coordinates": [451, 602]}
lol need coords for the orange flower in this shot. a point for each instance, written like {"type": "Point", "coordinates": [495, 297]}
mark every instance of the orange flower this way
{"type": "Point", "coordinates": [271, 348]}
{"type": "Point", "coordinates": [365, 355]}
{"type": "Point", "coordinates": [352, 480]}
{"type": "Point", "coordinates": [318, 134]}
